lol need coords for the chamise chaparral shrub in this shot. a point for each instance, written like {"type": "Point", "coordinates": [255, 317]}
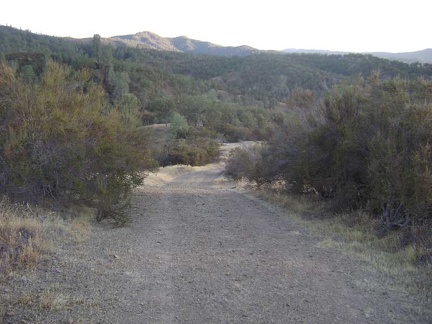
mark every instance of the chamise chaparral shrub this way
{"type": "Point", "coordinates": [190, 151]}
{"type": "Point", "coordinates": [367, 146]}
{"type": "Point", "coordinates": [246, 162]}
{"type": "Point", "coordinates": [60, 140]}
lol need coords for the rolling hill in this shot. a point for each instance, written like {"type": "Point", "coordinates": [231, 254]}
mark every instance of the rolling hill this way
{"type": "Point", "coordinates": [423, 56]}
{"type": "Point", "coordinates": [179, 44]}
{"type": "Point", "coordinates": [188, 45]}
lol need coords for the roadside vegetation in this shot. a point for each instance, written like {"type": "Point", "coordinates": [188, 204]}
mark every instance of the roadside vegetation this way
{"type": "Point", "coordinates": [63, 143]}
{"type": "Point", "coordinates": [29, 235]}
{"type": "Point", "coordinates": [362, 155]}
{"type": "Point", "coordinates": [403, 266]}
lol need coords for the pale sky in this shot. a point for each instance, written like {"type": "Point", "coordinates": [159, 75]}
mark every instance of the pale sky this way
{"type": "Point", "coordinates": [342, 25]}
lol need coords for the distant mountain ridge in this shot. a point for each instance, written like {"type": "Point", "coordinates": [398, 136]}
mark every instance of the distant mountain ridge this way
{"type": "Point", "coordinates": [180, 44]}
{"type": "Point", "coordinates": [423, 56]}
{"type": "Point", "coordinates": [184, 44]}
{"type": "Point", "coordinates": [188, 45]}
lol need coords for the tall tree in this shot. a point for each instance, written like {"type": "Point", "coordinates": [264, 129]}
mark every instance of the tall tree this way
{"type": "Point", "coordinates": [97, 45]}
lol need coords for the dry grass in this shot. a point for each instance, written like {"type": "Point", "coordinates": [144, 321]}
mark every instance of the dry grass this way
{"type": "Point", "coordinates": [354, 232]}
{"type": "Point", "coordinates": [49, 300]}
{"type": "Point", "coordinates": [55, 301]}
{"type": "Point", "coordinates": [28, 235]}
{"type": "Point", "coordinates": [29, 238]}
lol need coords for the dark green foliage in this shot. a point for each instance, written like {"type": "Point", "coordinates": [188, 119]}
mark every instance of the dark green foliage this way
{"type": "Point", "coordinates": [26, 61]}
{"type": "Point", "coordinates": [367, 146]}
{"type": "Point", "coordinates": [232, 121]}
{"type": "Point", "coordinates": [60, 140]}
{"type": "Point", "coordinates": [97, 47]}
{"type": "Point", "coordinates": [179, 127]}
{"type": "Point", "coordinates": [247, 163]}
{"type": "Point", "coordinates": [194, 152]}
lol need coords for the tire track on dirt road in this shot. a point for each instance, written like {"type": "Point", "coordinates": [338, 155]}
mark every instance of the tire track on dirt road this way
{"type": "Point", "coordinates": [227, 257]}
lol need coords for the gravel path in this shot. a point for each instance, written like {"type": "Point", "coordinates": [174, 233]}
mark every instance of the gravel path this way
{"type": "Point", "coordinates": [200, 251]}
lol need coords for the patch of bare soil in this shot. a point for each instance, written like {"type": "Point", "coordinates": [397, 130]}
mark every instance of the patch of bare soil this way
{"type": "Point", "coordinates": [201, 251]}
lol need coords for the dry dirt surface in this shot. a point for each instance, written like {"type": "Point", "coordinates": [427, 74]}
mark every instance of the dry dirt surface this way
{"type": "Point", "coordinates": [200, 250]}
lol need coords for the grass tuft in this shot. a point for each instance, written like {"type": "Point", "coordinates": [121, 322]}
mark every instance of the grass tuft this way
{"type": "Point", "coordinates": [400, 264]}
{"type": "Point", "coordinates": [29, 234]}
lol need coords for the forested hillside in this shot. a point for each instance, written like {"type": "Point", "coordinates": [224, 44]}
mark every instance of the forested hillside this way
{"type": "Point", "coordinates": [261, 79]}
{"type": "Point", "coordinates": [417, 57]}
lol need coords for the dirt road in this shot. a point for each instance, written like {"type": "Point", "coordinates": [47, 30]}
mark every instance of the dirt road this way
{"type": "Point", "coordinates": [201, 251]}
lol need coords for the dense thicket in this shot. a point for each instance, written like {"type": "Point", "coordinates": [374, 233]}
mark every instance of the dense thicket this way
{"type": "Point", "coordinates": [367, 146]}
{"type": "Point", "coordinates": [60, 140]}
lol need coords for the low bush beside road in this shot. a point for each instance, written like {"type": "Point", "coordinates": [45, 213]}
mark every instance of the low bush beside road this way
{"type": "Point", "coordinates": [62, 141]}
{"type": "Point", "coordinates": [365, 154]}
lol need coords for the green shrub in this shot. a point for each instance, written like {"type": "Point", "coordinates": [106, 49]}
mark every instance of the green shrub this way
{"type": "Point", "coordinates": [179, 127]}
{"type": "Point", "coordinates": [367, 146]}
{"type": "Point", "coordinates": [246, 162]}
{"type": "Point", "coordinates": [61, 140]}
{"type": "Point", "coordinates": [194, 152]}
{"type": "Point", "coordinates": [234, 134]}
